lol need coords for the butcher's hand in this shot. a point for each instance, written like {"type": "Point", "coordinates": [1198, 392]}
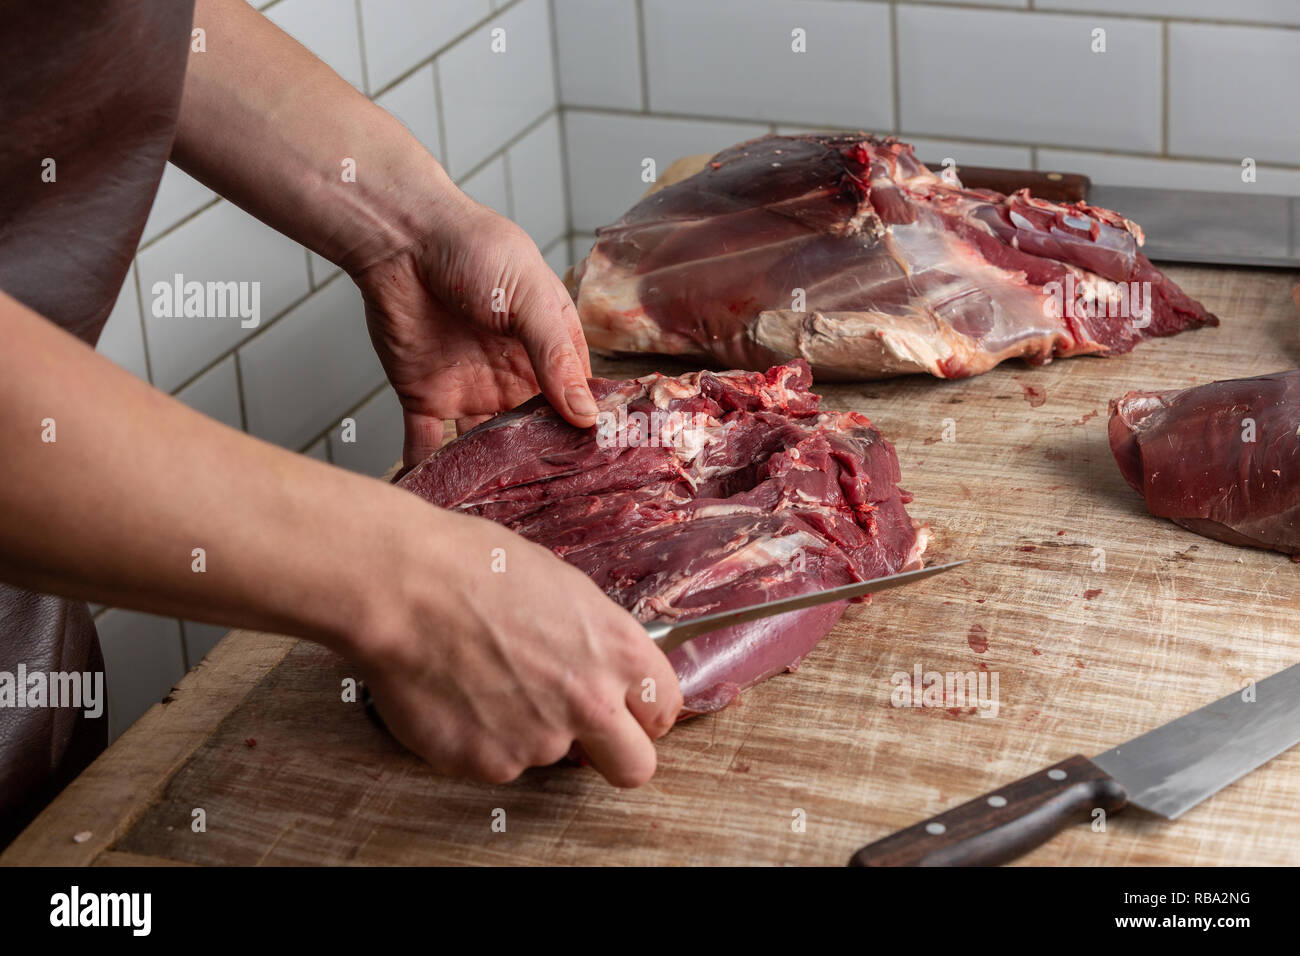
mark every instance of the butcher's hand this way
{"type": "Point", "coordinates": [466, 316]}
{"type": "Point", "coordinates": [469, 320]}
{"type": "Point", "coordinates": [513, 658]}
{"type": "Point", "coordinates": [486, 653]}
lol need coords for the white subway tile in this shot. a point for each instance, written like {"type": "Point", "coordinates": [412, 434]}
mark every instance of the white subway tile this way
{"type": "Point", "coordinates": [122, 339]}
{"type": "Point", "coordinates": [970, 154]}
{"type": "Point", "coordinates": [1029, 77]}
{"type": "Point", "coordinates": [606, 153]}
{"type": "Point", "coordinates": [142, 661]}
{"type": "Point", "coordinates": [378, 434]}
{"type": "Point", "coordinates": [1021, 4]}
{"type": "Point", "coordinates": [735, 58]}
{"type": "Point", "coordinates": [413, 102]}
{"type": "Point", "coordinates": [401, 33]}
{"type": "Point", "coordinates": [488, 97]}
{"type": "Point", "coordinates": [537, 182]}
{"type": "Point", "coordinates": [321, 269]}
{"type": "Point", "coordinates": [1264, 11]}
{"type": "Point", "coordinates": [200, 639]}
{"type": "Point", "coordinates": [579, 245]}
{"type": "Point", "coordinates": [557, 256]}
{"type": "Point", "coordinates": [179, 195]}
{"type": "Point", "coordinates": [326, 27]}
{"type": "Point", "coordinates": [319, 450]}
{"type": "Point", "coordinates": [220, 244]}
{"type": "Point", "coordinates": [599, 53]}
{"type": "Point", "coordinates": [215, 393]}
{"type": "Point", "coordinates": [488, 186]}
{"type": "Point", "coordinates": [1170, 173]}
{"type": "Point", "coordinates": [1232, 92]}
{"type": "Point", "coordinates": [308, 368]}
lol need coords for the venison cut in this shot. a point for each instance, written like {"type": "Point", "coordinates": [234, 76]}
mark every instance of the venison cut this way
{"type": "Point", "coordinates": [1221, 459]}
{"type": "Point", "coordinates": [846, 251]}
{"type": "Point", "coordinates": [693, 495]}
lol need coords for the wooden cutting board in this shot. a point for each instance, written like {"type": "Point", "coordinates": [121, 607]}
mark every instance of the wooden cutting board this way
{"type": "Point", "coordinates": [285, 772]}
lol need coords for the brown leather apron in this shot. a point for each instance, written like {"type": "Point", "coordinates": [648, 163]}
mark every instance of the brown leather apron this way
{"type": "Point", "coordinates": [95, 87]}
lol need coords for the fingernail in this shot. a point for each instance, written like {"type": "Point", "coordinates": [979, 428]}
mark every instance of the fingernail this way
{"type": "Point", "coordinates": [580, 401]}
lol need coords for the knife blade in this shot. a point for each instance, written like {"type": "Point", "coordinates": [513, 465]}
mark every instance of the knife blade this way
{"type": "Point", "coordinates": [1165, 771]}
{"type": "Point", "coordinates": [671, 634]}
{"type": "Point", "coordinates": [1209, 227]}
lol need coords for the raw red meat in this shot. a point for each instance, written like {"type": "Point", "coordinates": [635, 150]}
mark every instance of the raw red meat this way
{"type": "Point", "coordinates": [693, 495]}
{"type": "Point", "coordinates": [901, 271]}
{"type": "Point", "coordinates": [1187, 452]}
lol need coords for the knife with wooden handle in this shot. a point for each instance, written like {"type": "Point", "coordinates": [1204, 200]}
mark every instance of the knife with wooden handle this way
{"type": "Point", "coordinates": [1058, 187]}
{"type": "Point", "coordinates": [1166, 771]}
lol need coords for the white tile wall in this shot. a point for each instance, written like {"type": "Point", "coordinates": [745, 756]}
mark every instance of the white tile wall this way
{"type": "Point", "coordinates": [222, 244]}
{"type": "Point", "coordinates": [489, 186]}
{"type": "Point", "coordinates": [606, 153]}
{"type": "Point", "coordinates": [308, 368]}
{"type": "Point", "coordinates": [215, 393]}
{"type": "Point", "coordinates": [414, 102]}
{"type": "Point", "coordinates": [1263, 11]}
{"type": "Point", "coordinates": [199, 639]}
{"type": "Point", "coordinates": [326, 27]}
{"type": "Point", "coordinates": [179, 195]}
{"type": "Point", "coordinates": [401, 33]}
{"type": "Point", "coordinates": [122, 339]}
{"type": "Point", "coordinates": [488, 97]}
{"type": "Point", "coordinates": [378, 436]}
{"type": "Point", "coordinates": [142, 660]}
{"type": "Point", "coordinates": [984, 74]}
{"type": "Point", "coordinates": [599, 51]}
{"type": "Point", "coordinates": [537, 183]}
{"type": "Point", "coordinates": [557, 256]}
{"type": "Point", "coordinates": [734, 58]}
{"type": "Point", "coordinates": [1232, 92]}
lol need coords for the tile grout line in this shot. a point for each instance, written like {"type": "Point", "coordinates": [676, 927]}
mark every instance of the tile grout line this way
{"type": "Point", "coordinates": [139, 318]}
{"type": "Point", "coordinates": [561, 125]}
{"type": "Point", "coordinates": [1114, 14]}
{"type": "Point", "coordinates": [895, 67]}
{"type": "Point", "coordinates": [1164, 88]}
{"type": "Point", "coordinates": [642, 57]}
{"type": "Point", "coordinates": [922, 134]}
{"type": "Point", "coordinates": [361, 43]}
{"type": "Point", "coordinates": [454, 41]}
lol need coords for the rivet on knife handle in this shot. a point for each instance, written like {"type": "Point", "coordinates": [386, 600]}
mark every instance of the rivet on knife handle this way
{"type": "Point", "coordinates": [1003, 824]}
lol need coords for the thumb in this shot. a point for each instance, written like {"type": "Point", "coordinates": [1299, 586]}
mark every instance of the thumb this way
{"type": "Point", "coordinates": [547, 326]}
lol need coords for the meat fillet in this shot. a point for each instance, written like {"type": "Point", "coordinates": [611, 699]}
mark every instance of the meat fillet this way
{"type": "Point", "coordinates": [1222, 459]}
{"type": "Point", "coordinates": [693, 495]}
{"type": "Point", "coordinates": [846, 251]}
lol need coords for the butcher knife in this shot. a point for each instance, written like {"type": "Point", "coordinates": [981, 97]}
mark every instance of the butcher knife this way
{"type": "Point", "coordinates": [1208, 228]}
{"type": "Point", "coordinates": [671, 634]}
{"type": "Point", "coordinates": [1166, 771]}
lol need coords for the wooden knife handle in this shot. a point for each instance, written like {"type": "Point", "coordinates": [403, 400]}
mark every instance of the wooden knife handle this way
{"type": "Point", "coordinates": [1058, 187]}
{"type": "Point", "coordinates": [1003, 824]}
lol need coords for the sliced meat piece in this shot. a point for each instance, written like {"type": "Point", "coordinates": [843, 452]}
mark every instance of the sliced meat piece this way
{"type": "Point", "coordinates": [1222, 459]}
{"type": "Point", "coordinates": [694, 495]}
{"type": "Point", "coordinates": [846, 251]}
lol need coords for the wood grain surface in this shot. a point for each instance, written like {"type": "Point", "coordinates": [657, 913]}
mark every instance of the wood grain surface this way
{"type": "Point", "coordinates": [1085, 658]}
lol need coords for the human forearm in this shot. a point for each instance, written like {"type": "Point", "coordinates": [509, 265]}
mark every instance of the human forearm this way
{"type": "Point", "coordinates": [480, 672]}
{"type": "Point", "coordinates": [269, 126]}
{"type": "Point", "coordinates": [112, 509]}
